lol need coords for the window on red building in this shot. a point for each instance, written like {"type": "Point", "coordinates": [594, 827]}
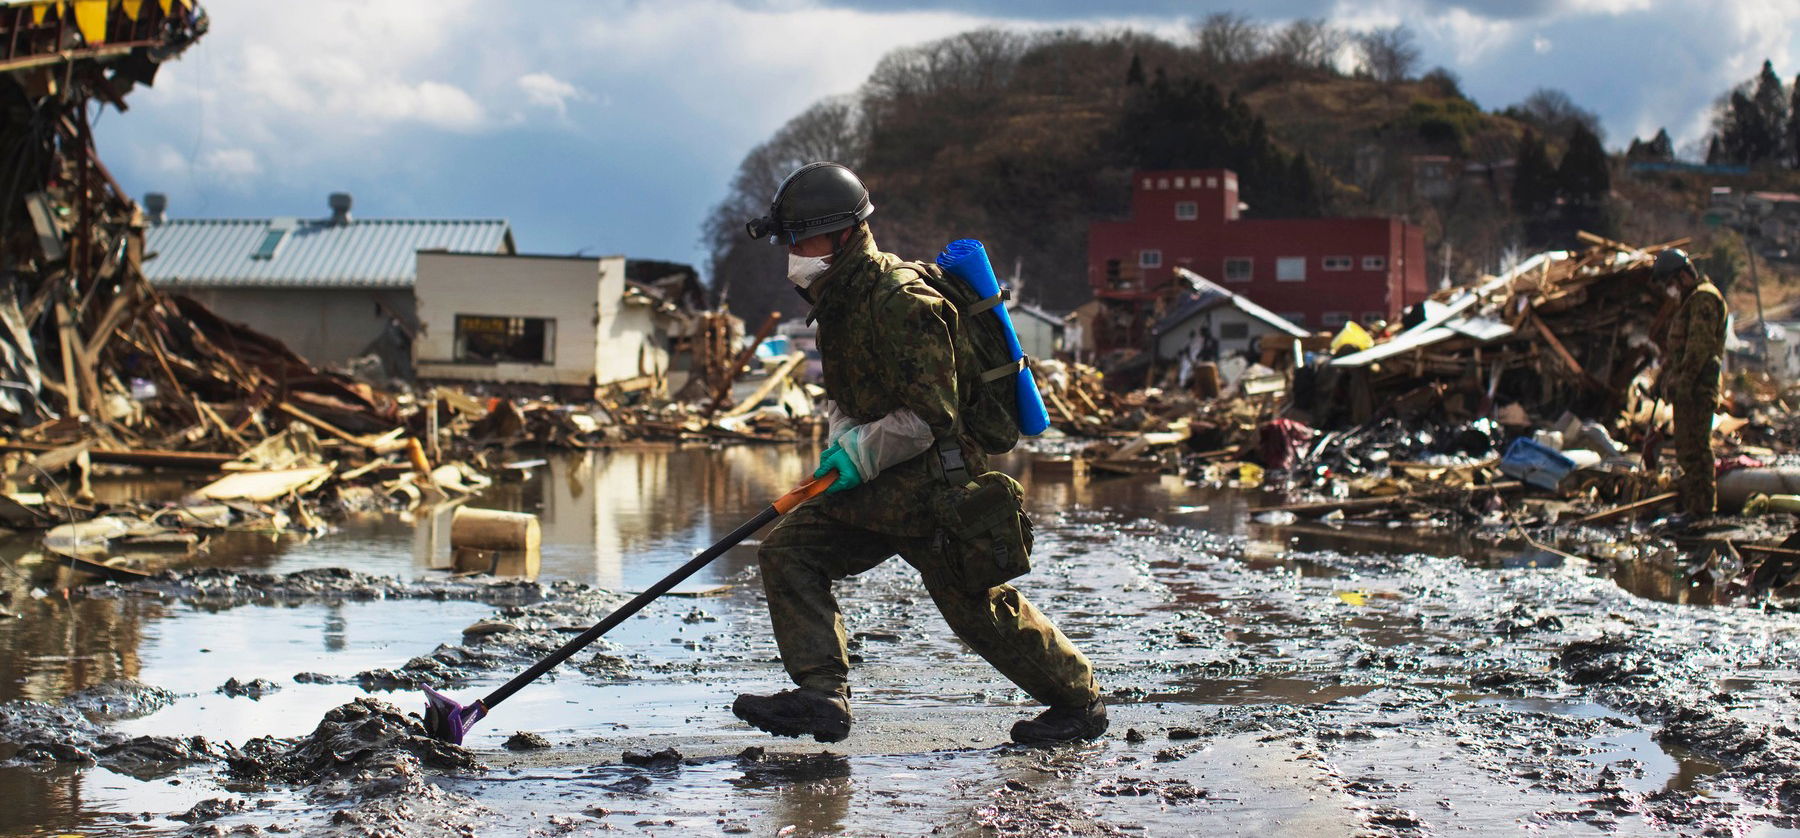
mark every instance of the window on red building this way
{"type": "Point", "coordinates": [1372, 316]}
{"type": "Point", "coordinates": [1336, 319]}
{"type": "Point", "coordinates": [1295, 318]}
{"type": "Point", "coordinates": [1149, 258]}
{"type": "Point", "coordinates": [1290, 269]}
{"type": "Point", "coordinates": [1238, 270]}
{"type": "Point", "coordinates": [1337, 263]}
{"type": "Point", "coordinates": [1186, 210]}
{"type": "Point", "coordinates": [1374, 263]}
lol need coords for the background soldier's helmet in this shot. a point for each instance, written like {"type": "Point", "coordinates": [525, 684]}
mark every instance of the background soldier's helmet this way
{"type": "Point", "coordinates": [817, 198]}
{"type": "Point", "coordinates": [1671, 262]}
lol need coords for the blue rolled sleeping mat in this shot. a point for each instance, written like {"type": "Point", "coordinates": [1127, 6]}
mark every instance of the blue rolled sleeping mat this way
{"type": "Point", "coordinates": [967, 260]}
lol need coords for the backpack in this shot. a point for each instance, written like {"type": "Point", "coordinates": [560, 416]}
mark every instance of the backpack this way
{"type": "Point", "coordinates": [990, 414]}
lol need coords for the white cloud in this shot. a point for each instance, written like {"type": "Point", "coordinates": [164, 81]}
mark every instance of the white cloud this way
{"type": "Point", "coordinates": [234, 166]}
{"type": "Point", "coordinates": [383, 96]}
{"type": "Point", "coordinates": [547, 91]}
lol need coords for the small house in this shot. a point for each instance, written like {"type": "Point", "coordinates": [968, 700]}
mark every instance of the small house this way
{"type": "Point", "coordinates": [1211, 323]}
{"type": "Point", "coordinates": [1040, 332]}
{"type": "Point", "coordinates": [564, 323]}
{"type": "Point", "coordinates": [331, 288]}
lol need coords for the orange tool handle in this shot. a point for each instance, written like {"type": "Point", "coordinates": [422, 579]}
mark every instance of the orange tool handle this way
{"type": "Point", "coordinates": [804, 492]}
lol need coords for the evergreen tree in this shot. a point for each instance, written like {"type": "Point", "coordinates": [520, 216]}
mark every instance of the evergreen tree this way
{"type": "Point", "coordinates": [1585, 183]}
{"type": "Point", "coordinates": [1771, 106]}
{"type": "Point", "coordinates": [1753, 123]}
{"type": "Point", "coordinates": [1187, 123]}
{"type": "Point", "coordinates": [1715, 151]}
{"type": "Point", "coordinates": [1583, 177]}
{"type": "Point", "coordinates": [1534, 181]}
{"type": "Point", "coordinates": [1793, 124]}
{"type": "Point", "coordinates": [1661, 147]}
{"type": "Point", "coordinates": [1658, 148]}
{"type": "Point", "coordinates": [1135, 75]}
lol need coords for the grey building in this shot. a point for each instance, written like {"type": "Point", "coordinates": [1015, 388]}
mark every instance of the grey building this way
{"type": "Point", "coordinates": [331, 288]}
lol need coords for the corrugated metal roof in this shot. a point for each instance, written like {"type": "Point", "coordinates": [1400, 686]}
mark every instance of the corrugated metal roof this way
{"type": "Point", "coordinates": [373, 253]}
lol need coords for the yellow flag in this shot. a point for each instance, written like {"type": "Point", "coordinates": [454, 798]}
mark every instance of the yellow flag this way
{"type": "Point", "coordinates": [38, 11]}
{"type": "Point", "coordinates": [165, 6]}
{"type": "Point", "coordinates": [131, 8]}
{"type": "Point", "coordinates": [90, 18]}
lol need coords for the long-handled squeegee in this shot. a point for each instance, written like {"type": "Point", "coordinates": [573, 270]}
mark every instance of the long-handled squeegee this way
{"type": "Point", "coordinates": [448, 721]}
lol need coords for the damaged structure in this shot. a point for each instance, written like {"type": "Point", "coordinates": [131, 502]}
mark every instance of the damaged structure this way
{"type": "Point", "coordinates": [570, 323]}
{"type": "Point", "coordinates": [331, 288]}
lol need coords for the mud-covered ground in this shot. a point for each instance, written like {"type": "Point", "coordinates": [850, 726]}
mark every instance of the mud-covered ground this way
{"type": "Point", "coordinates": [1260, 684]}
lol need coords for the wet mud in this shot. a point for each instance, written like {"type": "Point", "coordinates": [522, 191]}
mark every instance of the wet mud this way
{"type": "Point", "coordinates": [1259, 683]}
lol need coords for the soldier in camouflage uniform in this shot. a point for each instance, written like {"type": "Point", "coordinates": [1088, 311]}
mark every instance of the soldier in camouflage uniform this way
{"type": "Point", "coordinates": [890, 347]}
{"type": "Point", "coordinates": [1696, 351]}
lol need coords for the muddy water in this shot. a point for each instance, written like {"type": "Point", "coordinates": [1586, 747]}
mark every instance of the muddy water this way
{"type": "Point", "coordinates": [1298, 680]}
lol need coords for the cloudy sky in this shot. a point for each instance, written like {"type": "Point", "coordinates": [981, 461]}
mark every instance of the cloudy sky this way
{"type": "Point", "coordinates": [613, 126]}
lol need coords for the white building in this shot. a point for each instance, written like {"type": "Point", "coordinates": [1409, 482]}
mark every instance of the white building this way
{"type": "Point", "coordinates": [1040, 332]}
{"type": "Point", "coordinates": [562, 321]}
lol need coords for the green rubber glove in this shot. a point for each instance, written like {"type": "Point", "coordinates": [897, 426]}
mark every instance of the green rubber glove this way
{"type": "Point", "coordinates": [835, 459]}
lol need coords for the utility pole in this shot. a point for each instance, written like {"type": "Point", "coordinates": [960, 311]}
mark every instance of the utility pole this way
{"type": "Point", "coordinates": [1762, 326]}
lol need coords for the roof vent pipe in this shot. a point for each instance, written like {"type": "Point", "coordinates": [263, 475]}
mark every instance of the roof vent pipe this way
{"type": "Point", "coordinates": [340, 207]}
{"type": "Point", "coordinates": [156, 204]}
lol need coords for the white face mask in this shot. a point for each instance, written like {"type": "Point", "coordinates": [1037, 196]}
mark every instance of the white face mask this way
{"type": "Point", "coordinates": [802, 270]}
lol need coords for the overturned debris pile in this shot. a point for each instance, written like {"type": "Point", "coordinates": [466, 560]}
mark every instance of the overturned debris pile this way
{"type": "Point", "coordinates": [1562, 331]}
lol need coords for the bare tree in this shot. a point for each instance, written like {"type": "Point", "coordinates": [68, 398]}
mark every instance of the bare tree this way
{"type": "Point", "coordinates": [1229, 38]}
{"type": "Point", "coordinates": [1555, 113]}
{"type": "Point", "coordinates": [977, 61]}
{"type": "Point", "coordinates": [1307, 42]}
{"type": "Point", "coordinates": [1388, 54]}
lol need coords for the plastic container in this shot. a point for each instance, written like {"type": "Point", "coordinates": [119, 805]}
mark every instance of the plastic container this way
{"type": "Point", "coordinates": [1535, 464]}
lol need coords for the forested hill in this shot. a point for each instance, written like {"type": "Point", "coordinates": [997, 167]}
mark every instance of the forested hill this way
{"type": "Point", "coordinates": [1022, 140]}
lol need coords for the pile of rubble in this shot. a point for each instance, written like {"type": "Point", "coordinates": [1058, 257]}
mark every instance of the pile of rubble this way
{"type": "Point", "coordinates": [1524, 403]}
{"type": "Point", "coordinates": [98, 368]}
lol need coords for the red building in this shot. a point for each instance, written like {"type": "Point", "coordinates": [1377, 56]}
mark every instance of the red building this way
{"type": "Point", "coordinates": [1316, 272]}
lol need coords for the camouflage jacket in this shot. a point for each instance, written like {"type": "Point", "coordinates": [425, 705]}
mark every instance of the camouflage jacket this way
{"type": "Point", "coordinates": [1697, 341]}
{"type": "Point", "coordinates": [888, 341]}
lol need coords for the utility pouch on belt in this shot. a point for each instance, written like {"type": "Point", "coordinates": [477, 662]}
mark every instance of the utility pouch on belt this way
{"type": "Point", "coordinates": [983, 536]}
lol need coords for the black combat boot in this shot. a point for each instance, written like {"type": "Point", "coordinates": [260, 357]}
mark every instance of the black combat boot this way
{"type": "Point", "coordinates": [802, 712]}
{"type": "Point", "coordinates": [1062, 724]}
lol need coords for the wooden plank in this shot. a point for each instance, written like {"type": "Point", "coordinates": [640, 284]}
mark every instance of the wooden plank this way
{"type": "Point", "coordinates": [65, 330]}
{"type": "Point", "coordinates": [265, 485]}
{"type": "Point", "coordinates": [149, 457]}
{"type": "Point", "coordinates": [775, 378]}
{"type": "Point", "coordinates": [722, 387]}
{"type": "Point", "coordinates": [1605, 516]}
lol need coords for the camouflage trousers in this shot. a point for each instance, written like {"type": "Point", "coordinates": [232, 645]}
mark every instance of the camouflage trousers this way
{"type": "Point", "coordinates": [1693, 451]}
{"type": "Point", "coordinates": [808, 551]}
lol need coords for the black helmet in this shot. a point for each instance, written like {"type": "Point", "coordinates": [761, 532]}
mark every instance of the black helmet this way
{"type": "Point", "coordinates": [1671, 262]}
{"type": "Point", "coordinates": [817, 198]}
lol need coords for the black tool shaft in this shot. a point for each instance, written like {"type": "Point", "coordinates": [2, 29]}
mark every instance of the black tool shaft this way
{"type": "Point", "coordinates": [625, 611]}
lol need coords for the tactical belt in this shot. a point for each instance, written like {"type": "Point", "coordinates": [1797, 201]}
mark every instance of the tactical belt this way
{"type": "Point", "coordinates": [1004, 370]}
{"type": "Point", "coordinates": [986, 303]}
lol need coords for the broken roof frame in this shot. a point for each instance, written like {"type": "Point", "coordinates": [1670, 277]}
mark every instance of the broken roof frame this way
{"type": "Point", "coordinates": [1456, 318]}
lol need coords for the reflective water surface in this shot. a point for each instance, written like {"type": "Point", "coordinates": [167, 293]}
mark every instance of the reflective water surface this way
{"type": "Point", "coordinates": [620, 520]}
